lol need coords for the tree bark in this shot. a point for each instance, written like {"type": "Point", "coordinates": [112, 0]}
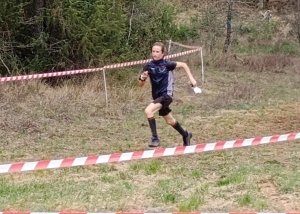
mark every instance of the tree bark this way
{"type": "Point", "coordinates": [39, 12]}
{"type": "Point", "coordinates": [260, 4]}
{"type": "Point", "coordinates": [298, 20]}
{"type": "Point", "coordinates": [228, 35]}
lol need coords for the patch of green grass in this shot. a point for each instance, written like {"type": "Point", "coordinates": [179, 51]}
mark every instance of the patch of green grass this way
{"type": "Point", "coordinates": [87, 189]}
{"type": "Point", "coordinates": [288, 182]}
{"type": "Point", "coordinates": [273, 162]}
{"type": "Point", "coordinates": [170, 198]}
{"type": "Point", "coordinates": [180, 170]}
{"type": "Point", "coordinates": [251, 200]}
{"type": "Point", "coordinates": [106, 168]}
{"type": "Point", "coordinates": [129, 186]}
{"type": "Point", "coordinates": [124, 176]}
{"type": "Point", "coordinates": [107, 179]}
{"type": "Point", "coordinates": [186, 110]}
{"type": "Point", "coordinates": [292, 49]}
{"type": "Point", "coordinates": [137, 166]}
{"type": "Point", "coordinates": [153, 167]}
{"type": "Point", "coordinates": [196, 173]}
{"type": "Point", "coordinates": [149, 168]}
{"type": "Point", "coordinates": [234, 178]}
{"type": "Point", "coordinates": [192, 203]}
{"type": "Point", "coordinates": [167, 191]}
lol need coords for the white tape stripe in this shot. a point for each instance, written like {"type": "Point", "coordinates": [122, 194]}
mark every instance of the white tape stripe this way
{"type": "Point", "coordinates": [79, 161]}
{"type": "Point", "coordinates": [44, 213]}
{"type": "Point", "coordinates": [29, 166]}
{"type": "Point", "coordinates": [248, 142]}
{"type": "Point", "coordinates": [5, 168]}
{"type": "Point", "coordinates": [169, 151]}
{"type": "Point", "coordinates": [209, 147]}
{"type": "Point", "coordinates": [265, 140]}
{"type": "Point", "coordinates": [215, 213]}
{"type": "Point", "coordinates": [54, 164]}
{"type": "Point", "coordinates": [103, 159]}
{"type": "Point", "coordinates": [283, 137]}
{"type": "Point", "coordinates": [126, 156]}
{"type": "Point", "coordinates": [101, 213]}
{"type": "Point", "coordinates": [190, 149]}
{"type": "Point", "coordinates": [148, 154]}
{"type": "Point", "coordinates": [157, 213]}
{"type": "Point", "coordinates": [229, 144]}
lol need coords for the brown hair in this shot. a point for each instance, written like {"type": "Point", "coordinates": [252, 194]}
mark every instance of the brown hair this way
{"type": "Point", "coordinates": [160, 44]}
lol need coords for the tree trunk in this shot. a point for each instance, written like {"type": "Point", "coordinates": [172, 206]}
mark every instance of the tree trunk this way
{"type": "Point", "coordinates": [260, 4]}
{"type": "Point", "coordinates": [228, 35]}
{"type": "Point", "coordinates": [298, 20]}
{"type": "Point", "coordinates": [39, 12]}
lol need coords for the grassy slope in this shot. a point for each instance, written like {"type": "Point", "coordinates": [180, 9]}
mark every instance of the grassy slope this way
{"type": "Point", "coordinates": [40, 122]}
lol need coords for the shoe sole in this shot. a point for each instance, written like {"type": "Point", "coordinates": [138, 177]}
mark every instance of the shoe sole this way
{"type": "Point", "coordinates": [153, 146]}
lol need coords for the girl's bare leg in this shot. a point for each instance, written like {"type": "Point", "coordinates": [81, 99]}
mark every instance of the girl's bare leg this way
{"type": "Point", "coordinates": [151, 109]}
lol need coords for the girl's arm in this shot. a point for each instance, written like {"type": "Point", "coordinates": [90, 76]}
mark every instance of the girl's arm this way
{"type": "Point", "coordinates": [188, 71]}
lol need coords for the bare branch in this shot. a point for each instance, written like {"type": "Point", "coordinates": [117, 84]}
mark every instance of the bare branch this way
{"type": "Point", "coordinates": [130, 21]}
{"type": "Point", "coordinates": [4, 64]}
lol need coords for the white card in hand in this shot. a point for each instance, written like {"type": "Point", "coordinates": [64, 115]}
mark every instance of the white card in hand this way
{"type": "Point", "coordinates": [197, 90]}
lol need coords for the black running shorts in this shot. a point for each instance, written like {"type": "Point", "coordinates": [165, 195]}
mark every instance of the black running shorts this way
{"type": "Point", "coordinates": [165, 100]}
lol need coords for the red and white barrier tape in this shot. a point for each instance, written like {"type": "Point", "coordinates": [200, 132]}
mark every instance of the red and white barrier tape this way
{"type": "Point", "coordinates": [125, 64]}
{"type": "Point", "coordinates": [185, 46]}
{"type": "Point", "coordinates": [161, 152]}
{"type": "Point", "coordinates": [143, 213]}
{"type": "Point", "coordinates": [44, 75]}
{"type": "Point", "coordinates": [63, 73]}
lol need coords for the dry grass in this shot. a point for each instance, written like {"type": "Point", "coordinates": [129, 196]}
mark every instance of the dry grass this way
{"type": "Point", "coordinates": [274, 63]}
{"type": "Point", "coordinates": [268, 62]}
{"type": "Point", "coordinates": [43, 122]}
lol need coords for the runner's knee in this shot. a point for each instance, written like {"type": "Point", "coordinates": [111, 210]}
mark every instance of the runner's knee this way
{"type": "Point", "coordinates": [170, 121]}
{"type": "Point", "coordinates": [148, 112]}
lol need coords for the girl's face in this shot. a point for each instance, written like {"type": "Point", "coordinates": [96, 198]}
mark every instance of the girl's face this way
{"type": "Point", "coordinates": [157, 53]}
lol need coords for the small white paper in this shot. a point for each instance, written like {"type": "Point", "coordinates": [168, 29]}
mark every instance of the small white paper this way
{"type": "Point", "coordinates": [197, 90]}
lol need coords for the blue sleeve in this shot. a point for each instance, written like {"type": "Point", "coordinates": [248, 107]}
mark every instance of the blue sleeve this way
{"type": "Point", "coordinates": [171, 66]}
{"type": "Point", "coordinates": [146, 67]}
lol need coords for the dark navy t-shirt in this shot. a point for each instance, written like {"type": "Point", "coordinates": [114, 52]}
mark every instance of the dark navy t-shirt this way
{"type": "Point", "coordinates": [161, 77]}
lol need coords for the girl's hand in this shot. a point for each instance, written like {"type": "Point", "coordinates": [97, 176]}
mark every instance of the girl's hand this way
{"type": "Point", "coordinates": [193, 82]}
{"type": "Point", "coordinates": [144, 75]}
